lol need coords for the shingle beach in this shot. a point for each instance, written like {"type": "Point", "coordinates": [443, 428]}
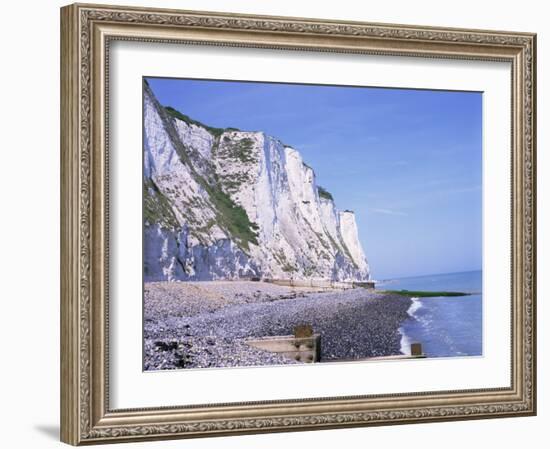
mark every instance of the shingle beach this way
{"type": "Point", "coordinates": [205, 324]}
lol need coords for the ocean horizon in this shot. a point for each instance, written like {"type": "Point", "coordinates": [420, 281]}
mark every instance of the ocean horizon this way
{"type": "Point", "coordinates": [396, 278]}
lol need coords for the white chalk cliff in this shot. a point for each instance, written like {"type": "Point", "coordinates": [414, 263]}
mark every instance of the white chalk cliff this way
{"type": "Point", "coordinates": [229, 204]}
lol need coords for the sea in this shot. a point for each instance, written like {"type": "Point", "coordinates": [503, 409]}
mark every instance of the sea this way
{"type": "Point", "coordinates": [445, 326]}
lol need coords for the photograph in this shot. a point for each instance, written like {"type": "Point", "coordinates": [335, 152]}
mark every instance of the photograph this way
{"type": "Point", "coordinates": [290, 224]}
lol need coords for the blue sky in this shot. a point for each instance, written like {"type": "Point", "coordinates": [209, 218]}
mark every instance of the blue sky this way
{"type": "Point", "coordinates": [408, 162]}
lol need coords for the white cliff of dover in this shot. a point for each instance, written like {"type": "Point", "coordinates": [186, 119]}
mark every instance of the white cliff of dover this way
{"type": "Point", "coordinates": [229, 204]}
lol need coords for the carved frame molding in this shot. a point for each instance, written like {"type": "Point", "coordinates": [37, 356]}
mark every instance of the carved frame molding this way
{"type": "Point", "coordinates": [86, 32]}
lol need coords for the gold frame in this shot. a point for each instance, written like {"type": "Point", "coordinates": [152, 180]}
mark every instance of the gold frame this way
{"type": "Point", "coordinates": [86, 31]}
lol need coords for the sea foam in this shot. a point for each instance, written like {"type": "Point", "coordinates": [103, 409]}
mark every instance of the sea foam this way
{"type": "Point", "coordinates": [405, 340]}
{"type": "Point", "coordinates": [416, 304]}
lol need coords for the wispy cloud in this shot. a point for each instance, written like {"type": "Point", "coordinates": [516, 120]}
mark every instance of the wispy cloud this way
{"type": "Point", "coordinates": [461, 190]}
{"type": "Point", "coordinates": [389, 212]}
{"type": "Point", "coordinates": [422, 198]}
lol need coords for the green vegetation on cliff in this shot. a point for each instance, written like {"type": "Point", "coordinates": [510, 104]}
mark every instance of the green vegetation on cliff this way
{"type": "Point", "coordinates": [323, 193]}
{"type": "Point", "coordinates": [229, 215]}
{"type": "Point", "coordinates": [233, 217]}
{"type": "Point", "coordinates": [156, 207]}
{"type": "Point", "coordinates": [185, 118]}
{"type": "Point", "coordinates": [239, 150]}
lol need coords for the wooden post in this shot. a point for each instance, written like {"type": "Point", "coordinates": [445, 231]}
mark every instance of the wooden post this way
{"type": "Point", "coordinates": [303, 330]}
{"type": "Point", "coordinates": [416, 349]}
{"type": "Point", "coordinates": [305, 349]}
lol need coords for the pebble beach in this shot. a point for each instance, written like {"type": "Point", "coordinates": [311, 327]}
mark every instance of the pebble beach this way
{"type": "Point", "coordinates": [206, 324]}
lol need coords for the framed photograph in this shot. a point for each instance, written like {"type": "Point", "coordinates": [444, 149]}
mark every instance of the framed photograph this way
{"type": "Point", "coordinates": [281, 224]}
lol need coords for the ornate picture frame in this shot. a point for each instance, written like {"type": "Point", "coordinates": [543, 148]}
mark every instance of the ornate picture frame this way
{"type": "Point", "coordinates": [87, 31]}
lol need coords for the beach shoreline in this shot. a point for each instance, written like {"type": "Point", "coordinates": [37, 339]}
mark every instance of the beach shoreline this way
{"type": "Point", "coordinates": [206, 324]}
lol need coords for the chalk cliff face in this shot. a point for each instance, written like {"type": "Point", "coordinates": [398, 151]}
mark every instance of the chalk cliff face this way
{"type": "Point", "coordinates": [229, 204]}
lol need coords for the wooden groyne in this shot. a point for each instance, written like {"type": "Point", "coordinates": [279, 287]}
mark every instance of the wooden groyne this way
{"type": "Point", "coordinates": [303, 346]}
{"type": "Point", "coordinates": [308, 349]}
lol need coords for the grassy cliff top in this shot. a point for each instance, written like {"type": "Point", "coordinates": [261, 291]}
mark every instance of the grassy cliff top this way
{"type": "Point", "coordinates": [185, 118]}
{"type": "Point", "coordinates": [324, 193]}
